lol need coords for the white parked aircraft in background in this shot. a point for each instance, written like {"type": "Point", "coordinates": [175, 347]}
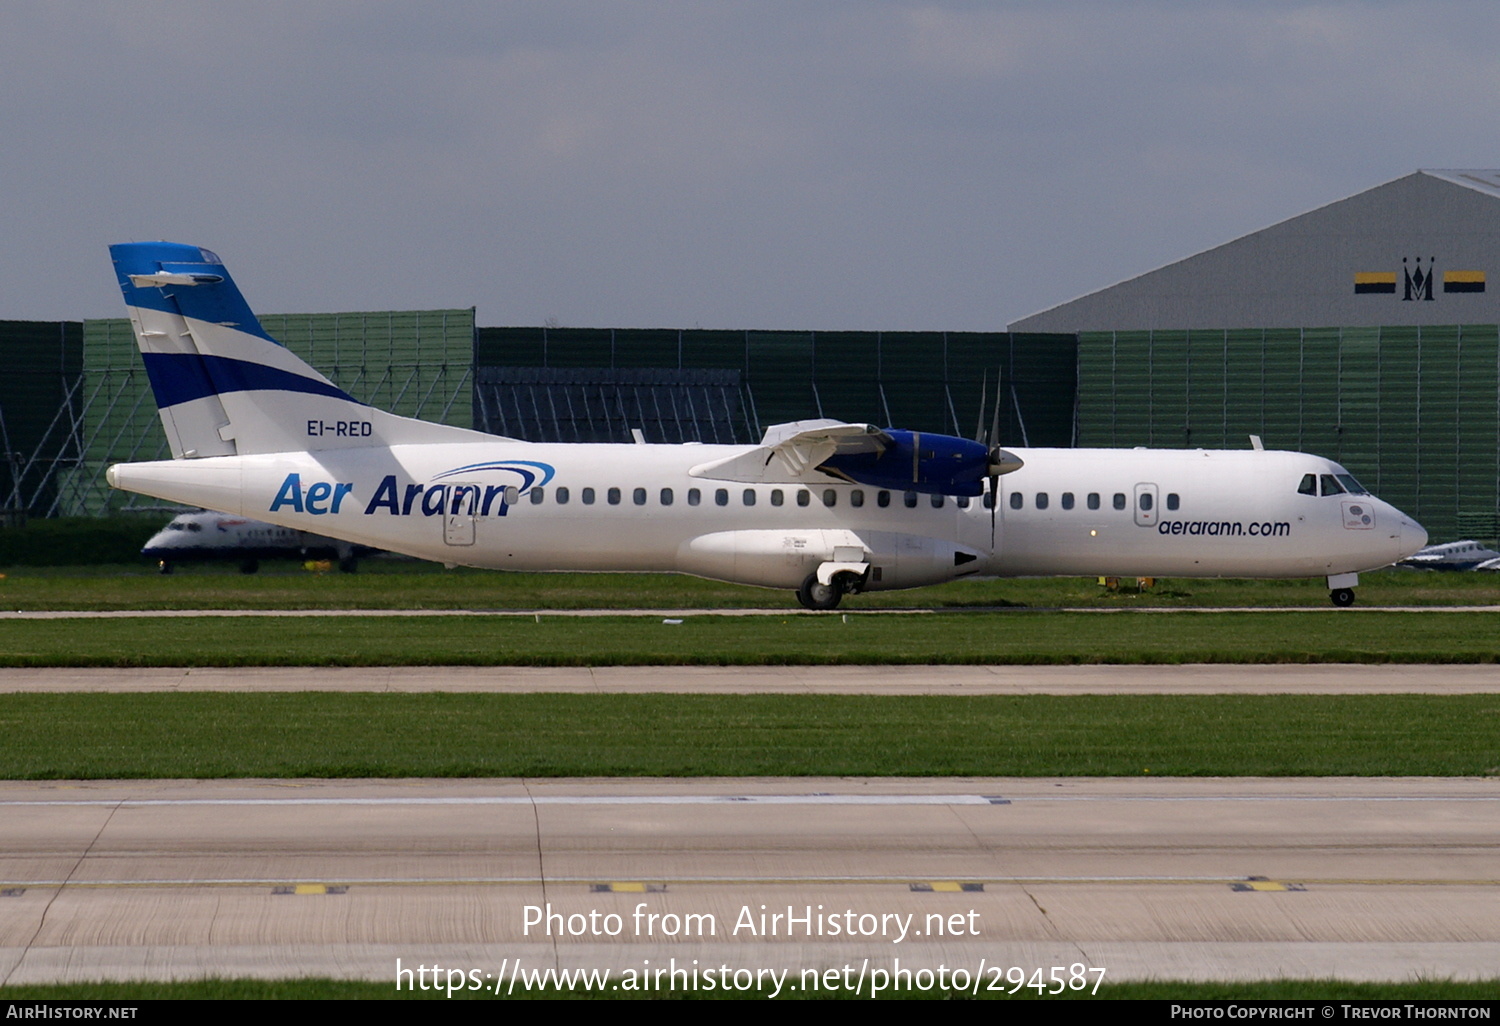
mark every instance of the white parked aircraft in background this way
{"type": "Point", "coordinates": [1457, 555]}
{"type": "Point", "coordinates": [204, 537]}
{"type": "Point", "coordinates": [822, 507]}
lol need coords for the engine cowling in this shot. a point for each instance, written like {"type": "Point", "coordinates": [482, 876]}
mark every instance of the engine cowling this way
{"type": "Point", "coordinates": [916, 461]}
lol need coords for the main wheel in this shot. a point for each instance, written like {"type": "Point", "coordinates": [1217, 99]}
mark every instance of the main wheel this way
{"type": "Point", "coordinates": [249, 566]}
{"type": "Point", "coordinates": [814, 595]}
{"type": "Point", "coordinates": [348, 565]}
{"type": "Point", "coordinates": [1342, 597]}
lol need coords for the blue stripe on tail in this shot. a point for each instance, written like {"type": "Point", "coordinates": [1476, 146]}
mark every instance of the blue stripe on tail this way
{"type": "Point", "coordinates": [183, 377]}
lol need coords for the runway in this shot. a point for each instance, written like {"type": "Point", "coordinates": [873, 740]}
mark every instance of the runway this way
{"type": "Point", "coordinates": [823, 680]}
{"type": "Point", "coordinates": [1188, 879]}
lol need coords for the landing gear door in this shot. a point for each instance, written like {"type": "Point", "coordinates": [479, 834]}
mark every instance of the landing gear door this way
{"type": "Point", "coordinates": [459, 510]}
{"type": "Point", "coordinates": [1145, 505]}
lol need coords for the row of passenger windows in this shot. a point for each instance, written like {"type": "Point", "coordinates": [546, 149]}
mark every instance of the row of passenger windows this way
{"type": "Point", "coordinates": [1042, 500]}
{"type": "Point", "coordinates": [562, 495]}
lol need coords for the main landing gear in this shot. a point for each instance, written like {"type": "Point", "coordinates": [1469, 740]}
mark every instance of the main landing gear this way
{"type": "Point", "coordinates": [815, 595]}
{"type": "Point", "coordinates": [1341, 589]}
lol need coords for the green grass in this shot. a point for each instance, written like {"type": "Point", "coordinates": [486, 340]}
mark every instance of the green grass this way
{"type": "Point", "coordinates": [390, 584]}
{"type": "Point", "coordinates": [1007, 637]}
{"type": "Point", "coordinates": [351, 990]}
{"type": "Point", "coordinates": [319, 734]}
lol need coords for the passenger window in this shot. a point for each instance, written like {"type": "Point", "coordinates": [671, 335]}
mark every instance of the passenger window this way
{"type": "Point", "coordinates": [962, 502]}
{"type": "Point", "coordinates": [537, 495]}
{"type": "Point", "coordinates": [1145, 501]}
{"type": "Point", "coordinates": [721, 496]}
{"type": "Point", "coordinates": [638, 496]}
{"type": "Point", "coordinates": [694, 496]}
{"type": "Point", "coordinates": [1119, 500]}
{"type": "Point", "coordinates": [1067, 500]}
{"type": "Point", "coordinates": [748, 497]}
{"type": "Point", "coordinates": [882, 498]}
{"type": "Point", "coordinates": [830, 498]}
{"type": "Point", "coordinates": [857, 498]}
{"type": "Point", "coordinates": [561, 495]}
{"type": "Point", "coordinates": [1041, 500]}
{"type": "Point", "coordinates": [1309, 485]}
{"type": "Point", "coordinates": [1016, 501]}
{"type": "Point", "coordinates": [512, 496]}
{"type": "Point", "coordinates": [666, 496]}
{"type": "Point", "coordinates": [1172, 502]}
{"type": "Point", "coordinates": [613, 496]}
{"type": "Point", "coordinates": [1331, 485]}
{"type": "Point", "coordinates": [910, 498]}
{"type": "Point", "coordinates": [803, 497]}
{"type": "Point", "coordinates": [1093, 500]}
{"type": "Point", "coordinates": [989, 500]}
{"type": "Point", "coordinates": [588, 496]}
{"type": "Point", "coordinates": [937, 502]}
{"type": "Point", "coordinates": [776, 497]}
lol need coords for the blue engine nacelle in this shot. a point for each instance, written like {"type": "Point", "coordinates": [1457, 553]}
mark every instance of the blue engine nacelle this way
{"type": "Point", "coordinates": [913, 461]}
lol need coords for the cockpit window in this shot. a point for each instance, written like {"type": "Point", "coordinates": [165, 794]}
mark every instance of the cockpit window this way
{"type": "Point", "coordinates": [1309, 485]}
{"type": "Point", "coordinates": [1352, 485]}
{"type": "Point", "coordinates": [1331, 485]}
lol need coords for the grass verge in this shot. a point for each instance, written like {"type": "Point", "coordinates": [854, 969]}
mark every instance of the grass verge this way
{"type": "Point", "coordinates": [319, 734]}
{"type": "Point", "coordinates": [1013, 637]}
{"type": "Point", "coordinates": [392, 584]}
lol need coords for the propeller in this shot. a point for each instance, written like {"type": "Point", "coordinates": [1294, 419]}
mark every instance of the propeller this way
{"type": "Point", "coordinates": [1001, 461]}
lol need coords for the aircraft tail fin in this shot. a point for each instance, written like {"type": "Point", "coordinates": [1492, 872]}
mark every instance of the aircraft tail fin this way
{"type": "Point", "coordinates": [223, 386]}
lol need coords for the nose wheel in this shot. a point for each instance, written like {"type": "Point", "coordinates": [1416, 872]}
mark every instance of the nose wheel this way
{"type": "Point", "coordinates": [1342, 597]}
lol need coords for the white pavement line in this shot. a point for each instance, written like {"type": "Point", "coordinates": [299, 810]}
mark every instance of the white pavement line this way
{"type": "Point", "coordinates": [759, 799]}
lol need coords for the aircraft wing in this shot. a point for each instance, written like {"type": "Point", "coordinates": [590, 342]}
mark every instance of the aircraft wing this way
{"type": "Point", "coordinates": [791, 453]}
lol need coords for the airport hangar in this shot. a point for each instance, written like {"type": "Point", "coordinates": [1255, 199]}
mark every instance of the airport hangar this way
{"type": "Point", "coordinates": [1364, 330]}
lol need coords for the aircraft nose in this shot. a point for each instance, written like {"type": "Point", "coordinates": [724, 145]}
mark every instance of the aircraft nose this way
{"type": "Point", "coordinates": [1413, 537]}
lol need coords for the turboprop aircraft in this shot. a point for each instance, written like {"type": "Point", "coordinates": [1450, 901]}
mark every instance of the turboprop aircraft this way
{"type": "Point", "coordinates": [204, 537]}
{"type": "Point", "coordinates": [823, 507]}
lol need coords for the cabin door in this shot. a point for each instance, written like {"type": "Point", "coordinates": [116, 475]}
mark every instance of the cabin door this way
{"type": "Point", "coordinates": [1145, 505]}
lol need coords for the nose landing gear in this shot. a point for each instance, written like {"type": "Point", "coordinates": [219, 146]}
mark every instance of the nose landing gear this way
{"type": "Point", "coordinates": [1341, 589]}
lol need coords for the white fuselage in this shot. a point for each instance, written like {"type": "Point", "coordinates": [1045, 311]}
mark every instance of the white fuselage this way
{"type": "Point", "coordinates": [522, 506]}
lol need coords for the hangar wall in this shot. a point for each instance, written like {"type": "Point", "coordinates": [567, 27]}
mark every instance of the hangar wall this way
{"type": "Point", "coordinates": [1417, 250]}
{"type": "Point", "coordinates": [926, 381]}
{"type": "Point", "coordinates": [1410, 411]}
{"type": "Point", "coordinates": [39, 409]}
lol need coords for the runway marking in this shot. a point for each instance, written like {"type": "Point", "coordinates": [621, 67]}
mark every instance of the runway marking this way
{"type": "Point", "coordinates": [707, 799]}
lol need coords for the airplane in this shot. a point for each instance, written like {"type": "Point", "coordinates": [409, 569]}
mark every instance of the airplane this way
{"type": "Point", "coordinates": [821, 507]}
{"type": "Point", "coordinates": [1458, 555]}
{"type": "Point", "coordinates": [200, 537]}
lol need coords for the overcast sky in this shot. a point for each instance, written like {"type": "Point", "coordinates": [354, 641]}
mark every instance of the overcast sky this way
{"type": "Point", "coordinates": [800, 165]}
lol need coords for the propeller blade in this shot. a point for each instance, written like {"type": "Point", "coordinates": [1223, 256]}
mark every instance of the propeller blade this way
{"type": "Point", "coordinates": [994, 438]}
{"type": "Point", "coordinates": [984, 380]}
